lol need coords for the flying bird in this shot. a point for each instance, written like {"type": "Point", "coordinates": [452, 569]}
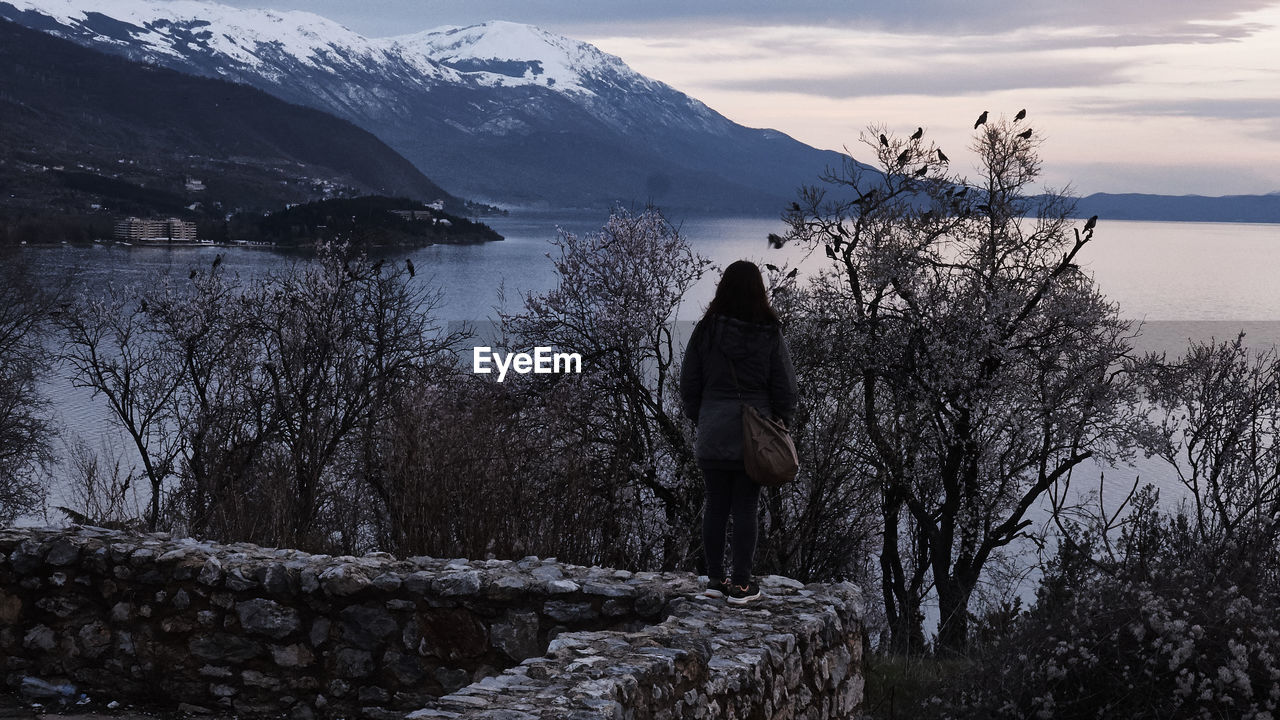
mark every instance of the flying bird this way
{"type": "Point", "coordinates": [902, 158]}
{"type": "Point", "coordinates": [942, 157]}
{"type": "Point", "coordinates": [1088, 224]}
{"type": "Point", "coordinates": [981, 120]}
{"type": "Point", "coordinates": [884, 141]}
{"type": "Point", "coordinates": [408, 265]}
{"type": "Point", "coordinates": [775, 241]}
{"type": "Point", "coordinates": [1021, 114]}
{"type": "Point", "coordinates": [919, 133]}
{"type": "Point", "coordinates": [1025, 134]}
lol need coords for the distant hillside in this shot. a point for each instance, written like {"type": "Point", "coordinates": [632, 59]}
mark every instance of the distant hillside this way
{"type": "Point", "coordinates": [372, 221]}
{"type": "Point", "coordinates": [1184, 208]}
{"type": "Point", "coordinates": [81, 128]}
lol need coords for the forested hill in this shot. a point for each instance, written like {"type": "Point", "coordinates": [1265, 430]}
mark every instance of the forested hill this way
{"type": "Point", "coordinates": [363, 221]}
{"type": "Point", "coordinates": [82, 129]}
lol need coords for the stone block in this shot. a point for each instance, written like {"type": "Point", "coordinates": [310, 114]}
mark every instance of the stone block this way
{"type": "Point", "coordinates": [517, 635]}
{"type": "Point", "coordinates": [457, 584]}
{"type": "Point", "coordinates": [352, 663]}
{"type": "Point", "coordinates": [267, 617]}
{"type": "Point", "coordinates": [570, 612]}
{"type": "Point", "coordinates": [292, 656]}
{"type": "Point", "coordinates": [366, 626]}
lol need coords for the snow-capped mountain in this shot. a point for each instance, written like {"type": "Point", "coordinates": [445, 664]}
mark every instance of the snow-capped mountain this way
{"type": "Point", "coordinates": [498, 111]}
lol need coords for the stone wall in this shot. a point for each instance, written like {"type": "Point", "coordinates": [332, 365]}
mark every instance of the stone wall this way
{"type": "Point", "coordinates": [262, 632]}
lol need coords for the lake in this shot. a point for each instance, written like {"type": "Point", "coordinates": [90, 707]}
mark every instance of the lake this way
{"type": "Point", "coordinates": [1183, 280]}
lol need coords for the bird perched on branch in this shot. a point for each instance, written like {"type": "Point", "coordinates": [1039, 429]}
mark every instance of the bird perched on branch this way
{"type": "Point", "coordinates": [1025, 134]}
{"type": "Point", "coordinates": [884, 141]}
{"type": "Point", "coordinates": [919, 133]}
{"type": "Point", "coordinates": [904, 156]}
{"type": "Point", "coordinates": [942, 157]}
{"type": "Point", "coordinates": [923, 169]}
{"type": "Point", "coordinates": [1088, 224]}
{"type": "Point", "coordinates": [1021, 114]}
{"type": "Point", "coordinates": [408, 265]}
{"type": "Point", "coordinates": [981, 120]}
{"type": "Point", "coordinates": [217, 260]}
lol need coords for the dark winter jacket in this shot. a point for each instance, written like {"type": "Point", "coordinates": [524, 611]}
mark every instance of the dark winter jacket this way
{"type": "Point", "coordinates": [765, 376]}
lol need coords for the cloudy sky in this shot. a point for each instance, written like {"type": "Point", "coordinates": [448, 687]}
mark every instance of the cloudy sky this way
{"type": "Point", "coordinates": [1161, 96]}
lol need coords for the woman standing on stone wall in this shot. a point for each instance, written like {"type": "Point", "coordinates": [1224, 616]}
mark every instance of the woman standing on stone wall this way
{"type": "Point", "coordinates": [736, 355]}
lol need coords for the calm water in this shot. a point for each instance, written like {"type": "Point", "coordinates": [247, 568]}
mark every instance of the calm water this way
{"type": "Point", "coordinates": [1184, 280]}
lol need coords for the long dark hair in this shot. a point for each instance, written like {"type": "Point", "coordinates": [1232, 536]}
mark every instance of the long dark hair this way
{"type": "Point", "coordinates": [741, 295]}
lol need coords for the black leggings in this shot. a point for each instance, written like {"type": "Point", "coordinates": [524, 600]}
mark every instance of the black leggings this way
{"type": "Point", "coordinates": [730, 492]}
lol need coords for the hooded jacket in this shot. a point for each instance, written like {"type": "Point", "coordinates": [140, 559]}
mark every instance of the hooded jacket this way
{"type": "Point", "coordinates": [720, 347]}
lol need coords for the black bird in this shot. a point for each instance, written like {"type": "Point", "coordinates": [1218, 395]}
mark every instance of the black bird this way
{"type": "Point", "coordinates": [792, 275]}
{"type": "Point", "coordinates": [1021, 114]}
{"type": "Point", "coordinates": [774, 268]}
{"type": "Point", "coordinates": [377, 267]}
{"type": "Point", "coordinates": [217, 260]}
{"type": "Point", "coordinates": [143, 306]}
{"type": "Point", "coordinates": [981, 119]}
{"type": "Point", "coordinates": [942, 157]}
{"type": "Point", "coordinates": [923, 169]}
{"type": "Point", "coordinates": [1025, 134]}
{"type": "Point", "coordinates": [408, 265]}
{"type": "Point", "coordinates": [919, 133]}
{"type": "Point", "coordinates": [795, 206]}
{"type": "Point", "coordinates": [902, 157]}
{"type": "Point", "coordinates": [831, 253]}
{"type": "Point", "coordinates": [191, 275]}
{"type": "Point", "coordinates": [1088, 224]}
{"type": "Point", "coordinates": [774, 240]}
{"type": "Point", "coordinates": [963, 190]}
{"type": "Point", "coordinates": [884, 141]}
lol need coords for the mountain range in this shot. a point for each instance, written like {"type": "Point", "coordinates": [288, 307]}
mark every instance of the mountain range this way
{"type": "Point", "coordinates": [499, 112]}
{"type": "Point", "coordinates": [505, 113]}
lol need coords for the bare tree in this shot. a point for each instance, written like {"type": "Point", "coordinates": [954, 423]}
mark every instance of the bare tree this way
{"type": "Point", "coordinates": [987, 362]}
{"type": "Point", "coordinates": [254, 407]}
{"type": "Point", "coordinates": [616, 295]}
{"type": "Point", "coordinates": [24, 428]}
{"type": "Point", "coordinates": [113, 350]}
{"type": "Point", "coordinates": [1217, 425]}
{"type": "Point", "coordinates": [822, 527]}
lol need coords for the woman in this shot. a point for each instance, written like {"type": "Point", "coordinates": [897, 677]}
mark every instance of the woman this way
{"type": "Point", "coordinates": [736, 354]}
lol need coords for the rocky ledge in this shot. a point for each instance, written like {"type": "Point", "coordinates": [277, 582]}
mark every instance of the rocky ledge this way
{"type": "Point", "coordinates": [208, 627]}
